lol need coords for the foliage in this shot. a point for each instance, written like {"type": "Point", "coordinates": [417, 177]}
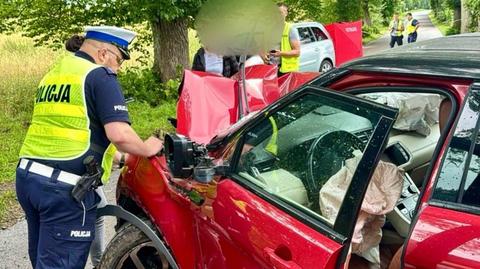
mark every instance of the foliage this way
{"type": "Point", "coordinates": [474, 6]}
{"type": "Point", "coordinates": [415, 4]}
{"type": "Point", "coordinates": [301, 10]}
{"type": "Point", "coordinates": [56, 20]}
{"type": "Point", "coordinates": [51, 22]}
{"type": "Point", "coordinates": [348, 10]}
{"type": "Point", "coordinates": [148, 119]}
{"type": "Point", "coordinates": [389, 8]}
{"type": "Point", "coordinates": [445, 27]}
{"type": "Point", "coordinates": [143, 85]}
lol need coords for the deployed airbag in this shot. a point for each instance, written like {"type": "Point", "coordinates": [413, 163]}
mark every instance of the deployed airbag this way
{"type": "Point", "coordinates": [417, 111]}
{"type": "Point", "coordinates": [382, 194]}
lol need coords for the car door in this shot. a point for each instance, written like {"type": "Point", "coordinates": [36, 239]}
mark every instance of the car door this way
{"type": "Point", "coordinates": [324, 49]}
{"type": "Point", "coordinates": [446, 233]}
{"type": "Point", "coordinates": [308, 49]}
{"type": "Point", "coordinates": [265, 211]}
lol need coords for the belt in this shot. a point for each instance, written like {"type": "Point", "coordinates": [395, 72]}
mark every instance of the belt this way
{"type": "Point", "coordinates": [47, 171]}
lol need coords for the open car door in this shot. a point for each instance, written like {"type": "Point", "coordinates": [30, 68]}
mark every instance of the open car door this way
{"type": "Point", "coordinates": [272, 208]}
{"type": "Point", "coordinates": [446, 231]}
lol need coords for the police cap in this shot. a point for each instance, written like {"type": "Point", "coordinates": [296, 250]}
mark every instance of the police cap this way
{"type": "Point", "coordinates": [114, 35]}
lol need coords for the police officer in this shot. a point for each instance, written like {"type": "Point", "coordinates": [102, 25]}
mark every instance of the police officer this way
{"type": "Point", "coordinates": [411, 27]}
{"type": "Point", "coordinates": [396, 31]}
{"type": "Point", "coordinates": [79, 111]}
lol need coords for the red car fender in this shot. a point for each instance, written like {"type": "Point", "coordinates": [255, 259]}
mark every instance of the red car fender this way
{"type": "Point", "coordinates": [146, 181]}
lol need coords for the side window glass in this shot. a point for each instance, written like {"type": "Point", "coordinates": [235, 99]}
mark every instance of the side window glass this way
{"type": "Point", "coordinates": [306, 153]}
{"type": "Point", "coordinates": [471, 188]}
{"type": "Point", "coordinates": [305, 35]}
{"type": "Point", "coordinates": [319, 34]}
{"type": "Point", "coordinates": [459, 179]}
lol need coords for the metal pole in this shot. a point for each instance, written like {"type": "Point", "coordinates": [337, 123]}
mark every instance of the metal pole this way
{"type": "Point", "coordinates": [240, 86]}
{"type": "Point", "coordinates": [242, 94]}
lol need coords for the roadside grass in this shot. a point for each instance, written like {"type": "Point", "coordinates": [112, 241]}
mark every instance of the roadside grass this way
{"type": "Point", "coordinates": [8, 208]}
{"type": "Point", "coordinates": [374, 35]}
{"type": "Point", "coordinates": [23, 66]}
{"type": "Point", "coordinates": [444, 27]}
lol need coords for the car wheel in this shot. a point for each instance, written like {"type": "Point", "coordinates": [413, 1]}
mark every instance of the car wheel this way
{"type": "Point", "coordinates": [130, 248]}
{"type": "Point", "coordinates": [326, 66]}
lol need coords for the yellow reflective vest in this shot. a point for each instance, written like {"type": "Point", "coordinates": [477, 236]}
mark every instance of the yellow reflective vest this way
{"type": "Point", "coordinates": [410, 28]}
{"type": "Point", "coordinates": [289, 64]}
{"type": "Point", "coordinates": [398, 31]}
{"type": "Point", "coordinates": [60, 124]}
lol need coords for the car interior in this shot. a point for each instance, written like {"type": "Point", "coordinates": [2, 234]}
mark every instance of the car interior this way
{"type": "Point", "coordinates": [298, 164]}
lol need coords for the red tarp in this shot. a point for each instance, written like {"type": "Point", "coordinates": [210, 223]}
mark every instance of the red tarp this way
{"type": "Point", "coordinates": [208, 103]}
{"type": "Point", "coordinates": [347, 40]}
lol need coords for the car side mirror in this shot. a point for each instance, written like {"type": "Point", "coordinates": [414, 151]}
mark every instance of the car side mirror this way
{"type": "Point", "coordinates": [204, 171]}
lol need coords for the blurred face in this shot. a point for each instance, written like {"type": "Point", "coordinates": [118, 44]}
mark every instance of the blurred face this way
{"type": "Point", "coordinates": [395, 17]}
{"type": "Point", "coordinates": [409, 17]}
{"type": "Point", "coordinates": [283, 11]}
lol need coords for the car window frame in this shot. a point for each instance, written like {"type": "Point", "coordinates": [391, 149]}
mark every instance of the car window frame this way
{"type": "Point", "coordinates": [457, 206]}
{"type": "Point", "coordinates": [323, 33]}
{"type": "Point", "coordinates": [309, 31]}
{"type": "Point", "coordinates": [349, 206]}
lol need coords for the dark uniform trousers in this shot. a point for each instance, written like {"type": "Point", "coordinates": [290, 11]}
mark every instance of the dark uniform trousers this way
{"type": "Point", "coordinates": [396, 39]}
{"type": "Point", "coordinates": [412, 37]}
{"type": "Point", "coordinates": [60, 230]}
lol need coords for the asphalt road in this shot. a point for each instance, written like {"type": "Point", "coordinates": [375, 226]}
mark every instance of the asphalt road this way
{"type": "Point", "coordinates": [13, 241]}
{"type": "Point", "coordinates": [426, 31]}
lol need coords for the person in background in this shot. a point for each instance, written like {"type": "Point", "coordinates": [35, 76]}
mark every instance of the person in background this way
{"type": "Point", "coordinates": [411, 26]}
{"type": "Point", "coordinates": [289, 52]}
{"type": "Point", "coordinates": [396, 31]}
{"type": "Point", "coordinates": [207, 61]}
{"type": "Point", "coordinates": [79, 112]}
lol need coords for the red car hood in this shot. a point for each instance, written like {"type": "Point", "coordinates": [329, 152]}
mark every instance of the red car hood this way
{"type": "Point", "coordinates": [208, 104]}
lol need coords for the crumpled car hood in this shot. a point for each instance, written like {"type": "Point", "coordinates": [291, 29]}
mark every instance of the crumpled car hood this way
{"type": "Point", "coordinates": [208, 103]}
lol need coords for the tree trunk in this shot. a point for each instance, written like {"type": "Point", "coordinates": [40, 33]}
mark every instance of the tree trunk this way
{"type": "Point", "coordinates": [457, 17]}
{"type": "Point", "coordinates": [170, 47]}
{"type": "Point", "coordinates": [465, 17]}
{"type": "Point", "coordinates": [366, 13]}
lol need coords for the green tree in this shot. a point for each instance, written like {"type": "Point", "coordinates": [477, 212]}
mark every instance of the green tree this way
{"type": "Point", "coordinates": [50, 21]}
{"type": "Point", "coordinates": [389, 8]}
{"type": "Point", "coordinates": [474, 8]}
{"type": "Point", "coordinates": [349, 10]}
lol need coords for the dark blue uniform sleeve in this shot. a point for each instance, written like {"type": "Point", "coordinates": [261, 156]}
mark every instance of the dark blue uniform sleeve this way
{"type": "Point", "coordinates": [108, 97]}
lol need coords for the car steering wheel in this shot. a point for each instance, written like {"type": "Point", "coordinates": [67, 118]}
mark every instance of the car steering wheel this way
{"type": "Point", "coordinates": [326, 156]}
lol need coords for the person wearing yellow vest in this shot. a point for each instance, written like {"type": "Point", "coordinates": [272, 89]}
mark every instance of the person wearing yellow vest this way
{"type": "Point", "coordinates": [289, 52]}
{"type": "Point", "coordinates": [396, 31]}
{"type": "Point", "coordinates": [79, 111]}
{"type": "Point", "coordinates": [411, 28]}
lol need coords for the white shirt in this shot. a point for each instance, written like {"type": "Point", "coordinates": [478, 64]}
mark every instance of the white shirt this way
{"type": "Point", "coordinates": [213, 63]}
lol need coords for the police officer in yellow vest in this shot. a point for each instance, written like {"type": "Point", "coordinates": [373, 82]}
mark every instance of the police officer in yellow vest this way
{"type": "Point", "coordinates": [411, 27]}
{"type": "Point", "coordinates": [79, 111]}
{"type": "Point", "coordinates": [289, 52]}
{"type": "Point", "coordinates": [396, 31]}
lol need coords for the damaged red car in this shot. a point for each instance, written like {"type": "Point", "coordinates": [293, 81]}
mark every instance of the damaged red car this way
{"type": "Point", "coordinates": [375, 164]}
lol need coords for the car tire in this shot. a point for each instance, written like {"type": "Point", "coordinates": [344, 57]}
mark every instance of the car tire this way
{"type": "Point", "coordinates": [326, 66]}
{"type": "Point", "coordinates": [130, 248]}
